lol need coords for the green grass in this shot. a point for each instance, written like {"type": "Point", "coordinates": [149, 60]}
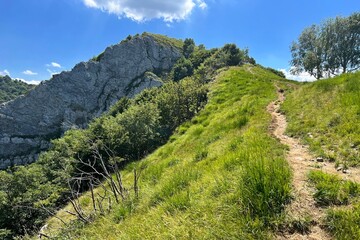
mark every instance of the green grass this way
{"type": "Point", "coordinates": [326, 114]}
{"type": "Point", "coordinates": [221, 176]}
{"type": "Point", "coordinates": [176, 43]}
{"type": "Point", "coordinates": [332, 190]}
{"type": "Point", "coordinates": [343, 222]}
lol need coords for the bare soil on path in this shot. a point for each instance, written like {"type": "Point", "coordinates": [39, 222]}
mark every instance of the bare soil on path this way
{"type": "Point", "coordinates": [302, 161]}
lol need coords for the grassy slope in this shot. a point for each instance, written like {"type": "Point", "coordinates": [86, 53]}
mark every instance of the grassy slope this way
{"type": "Point", "coordinates": [342, 220]}
{"type": "Point", "coordinates": [326, 114]}
{"type": "Point", "coordinates": [220, 176]}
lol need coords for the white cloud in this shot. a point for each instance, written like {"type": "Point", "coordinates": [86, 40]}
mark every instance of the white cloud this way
{"type": "Point", "coordinates": [29, 72]}
{"type": "Point", "coordinates": [35, 82]}
{"type": "Point", "coordinates": [301, 77]}
{"type": "Point", "coordinates": [201, 4]}
{"type": "Point", "coordinates": [52, 72]}
{"type": "Point", "coordinates": [143, 10]}
{"type": "Point", "coordinates": [4, 72]}
{"type": "Point", "coordinates": [54, 64]}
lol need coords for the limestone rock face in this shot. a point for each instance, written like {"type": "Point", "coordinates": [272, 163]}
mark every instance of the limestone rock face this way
{"type": "Point", "coordinates": [73, 98]}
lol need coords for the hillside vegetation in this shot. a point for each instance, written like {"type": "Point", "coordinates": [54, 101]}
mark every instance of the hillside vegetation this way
{"type": "Point", "coordinates": [10, 89]}
{"type": "Point", "coordinates": [221, 175]}
{"type": "Point", "coordinates": [326, 114]}
{"type": "Point", "coordinates": [84, 159]}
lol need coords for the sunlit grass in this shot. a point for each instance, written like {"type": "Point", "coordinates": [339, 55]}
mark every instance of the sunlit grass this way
{"type": "Point", "coordinates": [341, 221]}
{"type": "Point", "coordinates": [326, 114]}
{"type": "Point", "coordinates": [221, 176]}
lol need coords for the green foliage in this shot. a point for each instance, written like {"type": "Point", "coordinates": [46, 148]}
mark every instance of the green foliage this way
{"type": "Point", "coordinates": [200, 55]}
{"type": "Point", "coordinates": [134, 132]}
{"type": "Point", "coordinates": [330, 189]}
{"type": "Point", "coordinates": [182, 68]}
{"type": "Point", "coordinates": [344, 223]}
{"type": "Point", "coordinates": [119, 107]}
{"type": "Point", "coordinates": [134, 128]}
{"type": "Point", "coordinates": [229, 55]}
{"type": "Point", "coordinates": [325, 114]}
{"type": "Point", "coordinates": [98, 57]}
{"type": "Point", "coordinates": [329, 48]}
{"type": "Point", "coordinates": [189, 47]}
{"type": "Point", "coordinates": [277, 72]}
{"type": "Point", "coordinates": [10, 89]}
{"type": "Point", "coordinates": [24, 195]}
{"type": "Point", "coordinates": [233, 55]}
{"type": "Point", "coordinates": [129, 131]}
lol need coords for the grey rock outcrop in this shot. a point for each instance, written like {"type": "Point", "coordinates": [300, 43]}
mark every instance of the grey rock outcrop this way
{"type": "Point", "coordinates": [73, 98]}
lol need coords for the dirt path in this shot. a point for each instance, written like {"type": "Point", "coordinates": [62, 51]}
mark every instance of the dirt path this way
{"type": "Point", "coordinates": [302, 161]}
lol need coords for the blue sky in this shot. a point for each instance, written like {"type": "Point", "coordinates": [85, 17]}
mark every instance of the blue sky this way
{"type": "Point", "coordinates": [41, 37]}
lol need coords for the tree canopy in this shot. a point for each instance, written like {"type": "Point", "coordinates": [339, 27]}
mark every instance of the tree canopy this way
{"type": "Point", "coordinates": [328, 49]}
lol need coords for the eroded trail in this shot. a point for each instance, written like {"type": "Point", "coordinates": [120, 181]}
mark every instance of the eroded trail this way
{"type": "Point", "coordinates": [302, 161]}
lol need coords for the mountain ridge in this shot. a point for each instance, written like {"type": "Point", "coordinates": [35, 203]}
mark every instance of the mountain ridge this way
{"type": "Point", "coordinates": [72, 98]}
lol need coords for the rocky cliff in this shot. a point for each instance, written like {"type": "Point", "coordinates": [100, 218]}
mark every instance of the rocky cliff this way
{"type": "Point", "coordinates": [73, 98]}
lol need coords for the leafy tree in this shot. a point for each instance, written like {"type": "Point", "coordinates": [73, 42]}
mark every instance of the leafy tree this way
{"type": "Point", "coordinates": [307, 53]}
{"type": "Point", "coordinates": [188, 47]}
{"type": "Point", "coordinates": [342, 38]}
{"type": "Point", "coordinates": [134, 132]}
{"type": "Point", "coordinates": [328, 49]}
{"type": "Point", "coordinates": [199, 56]}
{"type": "Point", "coordinates": [182, 68]}
{"type": "Point", "coordinates": [233, 54]}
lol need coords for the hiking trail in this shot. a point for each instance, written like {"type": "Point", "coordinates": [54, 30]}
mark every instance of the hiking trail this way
{"type": "Point", "coordinates": [302, 161]}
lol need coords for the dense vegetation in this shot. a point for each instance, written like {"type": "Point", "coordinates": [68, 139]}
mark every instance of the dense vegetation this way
{"type": "Point", "coordinates": [221, 175]}
{"type": "Point", "coordinates": [326, 114]}
{"type": "Point", "coordinates": [82, 159]}
{"type": "Point", "coordinates": [10, 89]}
{"type": "Point", "coordinates": [329, 49]}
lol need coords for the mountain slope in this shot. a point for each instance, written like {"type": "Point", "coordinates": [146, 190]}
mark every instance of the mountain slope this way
{"type": "Point", "coordinates": [10, 89]}
{"type": "Point", "coordinates": [220, 176]}
{"type": "Point", "coordinates": [326, 114]}
{"type": "Point", "coordinates": [71, 99]}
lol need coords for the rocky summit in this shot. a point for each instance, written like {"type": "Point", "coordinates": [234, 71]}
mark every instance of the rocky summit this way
{"type": "Point", "coordinates": [73, 98]}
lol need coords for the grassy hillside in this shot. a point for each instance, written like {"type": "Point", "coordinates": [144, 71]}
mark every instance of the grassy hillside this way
{"type": "Point", "coordinates": [341, 199]}
{"type": "Point", "coordinates": [10, 89]}
{"type": "Point", "coordinates": [83, 159]}
{"type": "Point", "coordinates": [221, 175]}
{"type": "Point", "coordinates": [326, 114]}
